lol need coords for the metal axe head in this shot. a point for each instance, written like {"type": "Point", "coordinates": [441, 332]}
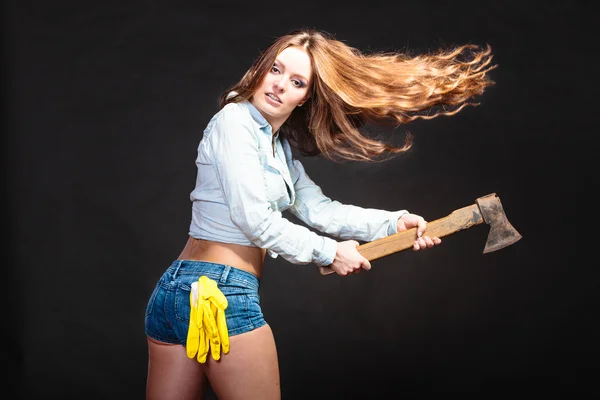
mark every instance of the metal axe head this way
{"type": "Point", "coordinates": [502, 233]}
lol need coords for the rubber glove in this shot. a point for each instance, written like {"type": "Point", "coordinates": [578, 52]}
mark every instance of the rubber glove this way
{"type": "Point", "coordinates": [215, 326]}
{"type": "Point", "coordinates": [208, 326]}
{"type": "Point", "coordinates": [196, 338]}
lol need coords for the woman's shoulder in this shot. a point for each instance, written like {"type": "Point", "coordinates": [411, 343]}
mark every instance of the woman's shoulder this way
{"type": "Point", "coordinates": [232, 110]}
{"type": "Point", "coordinates": [231, 121]}
{"type": "Point", "coordinates": [231, 113]}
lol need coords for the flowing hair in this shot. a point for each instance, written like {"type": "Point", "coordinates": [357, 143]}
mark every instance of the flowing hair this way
{"type": "Point", "coordinates": [351, 88]}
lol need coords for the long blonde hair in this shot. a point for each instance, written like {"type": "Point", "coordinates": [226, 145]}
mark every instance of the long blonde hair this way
{"type": "Point", "coordinates": [351, 88]}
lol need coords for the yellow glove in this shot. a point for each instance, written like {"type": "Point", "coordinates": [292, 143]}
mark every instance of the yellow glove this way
{"type": "Point", "coordinates": [196, 338]}
{"type": "Point", "coordinates": [208, 327]}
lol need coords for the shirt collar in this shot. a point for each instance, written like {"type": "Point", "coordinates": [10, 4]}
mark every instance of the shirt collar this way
{"type": "Point", "coordinates": [259, 118]}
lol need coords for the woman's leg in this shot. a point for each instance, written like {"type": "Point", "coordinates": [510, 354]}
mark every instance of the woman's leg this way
{"type": "Point", "coordinates": [250, 370]}
{"type": "Point", "coordinates": [172, 375]}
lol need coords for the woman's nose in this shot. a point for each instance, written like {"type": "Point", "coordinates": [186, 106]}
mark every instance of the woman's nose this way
{"type": "Point", "coordinates": [278, 86]}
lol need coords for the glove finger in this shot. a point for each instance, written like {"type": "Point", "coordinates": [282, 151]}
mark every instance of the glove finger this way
{"type": "Point", "coordinates": [199, 314]}
{"type": "Point", "coordinates": [202, 347]}
{"type": "Point", "coordinates": [223, 332]}
{"type": "Point", "coordinates": [196, 312]}
{"type": "Point", "coordinates": [215, 351]}
{"type": "Point", "coordinates": [219, 300]}
{"type": "Point", "coordinates": [215, 341]}
{"type": "Point", "coordinates": [210, 323]}
{"type": "Point", "coordinates": [215, 295]}
{"type": "Point", "coordinates": [204, 287]}
{"type": "Point", "coordinates": [215, 338]}
{"type": "Point", "coordinates": [193, 341]}
{"type": "Point", "coordinates": [193, 335]}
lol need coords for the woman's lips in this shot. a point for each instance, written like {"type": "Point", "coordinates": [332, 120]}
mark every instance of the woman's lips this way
{"type": "Point", "coordinates": [272, 100]}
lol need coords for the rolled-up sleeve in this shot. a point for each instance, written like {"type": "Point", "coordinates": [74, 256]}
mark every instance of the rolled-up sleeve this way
{"type": "Point", "coordinates": [340, 220]}
{"type": "Point", "coordinates": [236, 154]}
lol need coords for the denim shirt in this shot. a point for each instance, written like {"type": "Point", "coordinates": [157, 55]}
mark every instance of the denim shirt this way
{"type": "Point", "coordinates": [243, 185]}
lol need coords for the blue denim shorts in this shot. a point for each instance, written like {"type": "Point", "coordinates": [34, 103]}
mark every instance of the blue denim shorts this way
{"type": "Point", "coordinates": [168, 309]}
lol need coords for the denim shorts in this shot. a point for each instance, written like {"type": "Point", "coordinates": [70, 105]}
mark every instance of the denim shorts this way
{"type": "Point", "coordinates": [168, 309]}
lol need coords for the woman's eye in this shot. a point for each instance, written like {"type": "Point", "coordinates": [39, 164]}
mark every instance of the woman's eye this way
{"type": "Point", "coordinates": [274, 68]}
{"type": "Point", "coordinates": [298, 83]}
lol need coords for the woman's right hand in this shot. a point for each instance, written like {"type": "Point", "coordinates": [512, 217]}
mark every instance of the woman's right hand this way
{"type": "Point", "coordinates": [348, 260]}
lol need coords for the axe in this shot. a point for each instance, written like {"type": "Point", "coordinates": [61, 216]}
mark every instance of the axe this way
{"type": "Point", "coordinates": [486, 209]}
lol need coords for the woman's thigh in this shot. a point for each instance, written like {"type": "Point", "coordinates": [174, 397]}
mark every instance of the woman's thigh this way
{"type": "Point", "coordinates": [250, 370]}
{"type": "Point", "coordinates": [172, 375]}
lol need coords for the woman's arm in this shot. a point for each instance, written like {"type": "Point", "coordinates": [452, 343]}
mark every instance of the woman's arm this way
{"type": "Point", "coordinates": [340, 220]}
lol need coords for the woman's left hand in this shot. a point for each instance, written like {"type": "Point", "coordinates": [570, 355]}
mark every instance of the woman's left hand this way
{"type": "Point", "coordinates": [408, 221]}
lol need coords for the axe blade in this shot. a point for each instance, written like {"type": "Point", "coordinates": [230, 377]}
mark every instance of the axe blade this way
{"type": "Point", "coordinates": [502, 233]}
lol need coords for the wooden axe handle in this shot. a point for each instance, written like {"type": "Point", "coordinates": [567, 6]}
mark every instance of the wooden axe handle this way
{"type": "Point", "coordinates": [458, 220]}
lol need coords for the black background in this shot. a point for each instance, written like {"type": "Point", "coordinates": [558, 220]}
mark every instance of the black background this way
{"type": "Point", "coordinates": [106, 104]}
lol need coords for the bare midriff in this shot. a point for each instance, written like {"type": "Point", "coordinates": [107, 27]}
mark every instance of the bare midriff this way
{"type": "Point", "coordinates": [249, 259]}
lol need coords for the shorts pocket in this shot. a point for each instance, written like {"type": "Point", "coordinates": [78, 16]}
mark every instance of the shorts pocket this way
{"type": "Point", "coordinates": [255, 314]}
{"type": "Point", "coordinates": [152, 300]}
{"type": "Point", "coordinates": [254, 305]}
{"type": "Point", "coordinates": [236, 313]}
{"type": "Point", "coordinates": [182, 302]}
{"type": "Point", "coordinates": [181, 311]}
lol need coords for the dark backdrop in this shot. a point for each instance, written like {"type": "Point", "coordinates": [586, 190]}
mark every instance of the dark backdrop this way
{"type": "Point", "coordinates": [106, 104]}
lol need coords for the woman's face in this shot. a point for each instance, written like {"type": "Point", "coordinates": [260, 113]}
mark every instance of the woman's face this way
{"type": "Point", "coordinates": [284, 87]}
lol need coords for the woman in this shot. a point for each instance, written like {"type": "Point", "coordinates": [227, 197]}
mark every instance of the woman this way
{"type": "Point", "coordinates": [313, 92]}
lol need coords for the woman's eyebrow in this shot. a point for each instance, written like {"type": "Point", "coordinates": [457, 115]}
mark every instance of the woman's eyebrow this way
{"type": "Point", "coordinates": [283, 65]}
